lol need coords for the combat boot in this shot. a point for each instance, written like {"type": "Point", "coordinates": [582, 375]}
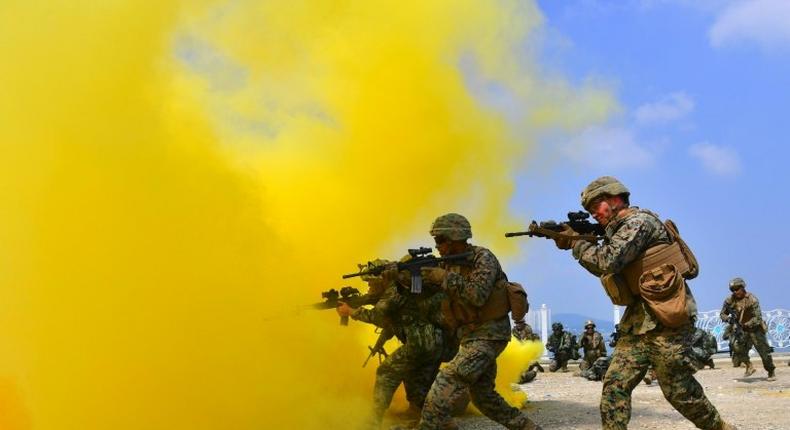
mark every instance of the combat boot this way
{"type": "Point", "coordinates": [771, 375]}
{"type": "Point", "coordinates": [749, 370]}
{"type": "Point", "coordinates": [725, 426]}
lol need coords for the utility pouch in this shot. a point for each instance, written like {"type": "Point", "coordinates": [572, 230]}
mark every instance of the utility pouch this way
{"type": "Point", "coordinates": [617, 289]}
{"type": "Point", "coordinates": [498, 303]}
{"type": "Point", "coordinates": [664, 291]}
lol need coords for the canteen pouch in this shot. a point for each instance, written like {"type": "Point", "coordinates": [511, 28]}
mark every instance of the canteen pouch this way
{"type": "Point", "coordinates": [664, 291]}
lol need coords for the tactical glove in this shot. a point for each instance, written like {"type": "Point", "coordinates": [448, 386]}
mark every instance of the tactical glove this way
{"type": "Point", "coordinates": [563, 241]}
{"type": "Point", "coordinates": [433, 275]}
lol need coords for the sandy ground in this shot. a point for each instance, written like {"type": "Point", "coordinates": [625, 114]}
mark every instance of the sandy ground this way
{"type": "Point", "coordinates": [563, 401]}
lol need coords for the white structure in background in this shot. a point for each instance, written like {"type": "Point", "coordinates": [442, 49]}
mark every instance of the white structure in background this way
{"type": "Point", "coordinates": [540, 321]}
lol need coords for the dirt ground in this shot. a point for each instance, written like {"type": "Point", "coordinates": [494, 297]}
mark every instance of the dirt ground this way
{"type": "Point", "coordinates": [564, 401]}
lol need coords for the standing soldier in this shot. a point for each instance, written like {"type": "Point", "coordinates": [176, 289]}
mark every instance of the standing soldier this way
{"type": "Point", "coordinates": [592, 344]}
{"type": "Point", "coordinates": [563, 345]}
{"type": "Point", "coordinates": [633, 263]}
{"type": "Point", "coordinates": [413, 319]}
{"type": "Point", "coordinates": [474, 287]}
{"type": "Point", "coordinates": [742, 309]}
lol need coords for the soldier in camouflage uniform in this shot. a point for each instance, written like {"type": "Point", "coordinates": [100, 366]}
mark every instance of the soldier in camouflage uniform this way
{"type": "Point", "coordinates": [592, 344]}
{"type": "Point", "coordinates": [644, 340]}
{"type": "Point", "coordinates": [563, 345]}
{"type": "Point", "coordinates": [469, 286]}
{"type": "Point", "coordinates": [414, 319]}
{"type": "Point", "coordinates": [747, 311]}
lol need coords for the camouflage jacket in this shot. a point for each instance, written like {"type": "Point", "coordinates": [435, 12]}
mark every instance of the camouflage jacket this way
{"type": "Point", "coordinates": [628, 236]}
{"type": "Point", "coordinates": [413, 318]}
{"type": "Point", "coordinates": [747, 309]}
{"type": "Point", "coordinates": [561, 342]}
{"type": "Point", "coordinates": [593, 342]}
{"type": "Point", "coordinates": [471, 283]}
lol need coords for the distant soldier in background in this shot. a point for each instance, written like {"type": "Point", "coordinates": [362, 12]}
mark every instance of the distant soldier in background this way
{"type": "Point", "coordinates": [563, 345]}
{"type": "Point", "coordinates": [592, 345]}
{"type": "Point", "coordinates": [743, 309]}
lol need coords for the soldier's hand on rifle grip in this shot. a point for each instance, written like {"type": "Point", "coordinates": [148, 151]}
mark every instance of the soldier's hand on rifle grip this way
{"type": "Point", "coordinates": [390, 272]}
{"type": "Point", "coordinates": [344, 310]}
{"type": "Point", "coordinates": [565, 242]}
{"type": "Point", "coordinates": [433, 275]}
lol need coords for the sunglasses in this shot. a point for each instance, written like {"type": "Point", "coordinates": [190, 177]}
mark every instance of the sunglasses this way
{"type": "Point", "coordinates": [440, 239]}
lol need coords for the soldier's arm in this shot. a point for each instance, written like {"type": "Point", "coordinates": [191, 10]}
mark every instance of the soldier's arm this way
{"type": "Point", "coordinates": [388, 303]}
{"type": "Point", "coordinates": [723, 314]}
{"type": "Point", "coordinates": [630, 240]}
{"type": "Point", "coordinates": [757, 315]}
{"type": "Point", "coordinates": [475, 288]}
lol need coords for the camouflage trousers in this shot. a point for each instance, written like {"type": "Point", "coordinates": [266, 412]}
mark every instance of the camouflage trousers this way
{"type": "Point", "coordinates": [559, 361]}
{"type": "Point", "coordinates": [415, 368]}
{"type": "Point", "coordinates": [589, 359]}
{"type": "Point", "coordinates": [473, 368]}
{"type": "Point", "coordinates": [758, 340]}
{"type": "Point", "coordinates": [665, 351]}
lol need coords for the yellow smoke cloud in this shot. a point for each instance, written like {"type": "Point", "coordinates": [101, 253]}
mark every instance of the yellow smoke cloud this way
{"type": "Point", "coordinates": [180, 178]}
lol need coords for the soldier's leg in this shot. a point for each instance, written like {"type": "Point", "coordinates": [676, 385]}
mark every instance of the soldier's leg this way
{"type": "Point", "coordinates": [485, 397]}
{"type": "Point", "coordinates": [450, 385]}
{"type": "Point", "coordinates": [390, 373]}
{"type": "Point", "coordinates": [760, 343]}
{"type": "Point", "coordinates": [626, 369]}
{"type": "Point", "coordinates": [418, 382]}
{"type": "Point", "coordinates": [676, 378]}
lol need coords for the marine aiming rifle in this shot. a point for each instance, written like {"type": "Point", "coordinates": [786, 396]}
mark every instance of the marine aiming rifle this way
{"type": "Point", "coordinates": [420, 257]}
{"type": "Point", "coordinates": [551, 229]}
{"type": "Point", "coordinates": [349, 295]}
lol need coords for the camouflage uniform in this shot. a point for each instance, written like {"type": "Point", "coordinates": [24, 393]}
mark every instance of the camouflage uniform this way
{"type": "Point", "coordinates": [644, 341]}
{"type": "Point", "coordinates": [593, 347]}
{"type": "Point", "coordinates": [597, 370]}
{"type": "Point", "coordinates": [750, 318]}
{"type": "Point", "coordinates": [563, 345]}
{"type": "Point", "coordinates": [474, 367]}
{"type": "Point", "coordinates": [739, 345]}
{"type": "Point", "coordinates": [414, 321]}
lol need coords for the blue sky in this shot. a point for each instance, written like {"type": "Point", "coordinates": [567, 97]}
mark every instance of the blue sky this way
{"type": "Point", "coordinates": [701, 138]}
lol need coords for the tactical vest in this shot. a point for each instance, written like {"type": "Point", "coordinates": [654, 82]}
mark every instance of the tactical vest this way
{"type": "Point", "coordinates": [506, 297]}
{"type": "Point", "coordinates": [658, 277]}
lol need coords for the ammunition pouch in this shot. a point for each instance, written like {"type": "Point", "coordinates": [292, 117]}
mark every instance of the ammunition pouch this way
{"type": "Point", "coordinates": [505, 297]}
{"type": "Point", "coordinates": [617, 289]}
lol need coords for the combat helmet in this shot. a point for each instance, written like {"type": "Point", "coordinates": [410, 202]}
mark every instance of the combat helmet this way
{"type": "Point", "coordinates": [603, 186]}
{"type": "Point", "coordinates": [452, 226]}
{"type": "Point", "coordinates": [736, 284]}
{"type": "Point", "coordinates": [557, 326]}
{"type": "Point", "coordinates": [588, 324]}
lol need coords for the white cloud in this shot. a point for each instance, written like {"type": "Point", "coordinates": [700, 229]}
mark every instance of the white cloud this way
{"type": "Point", "coordinates": [762, 22]}
{"type": "Point", "coordinates": [670, 108]}
{"type": "Point", "coordinates": [607, 147]}
{"type": "Point", "coordinates": [716, 159]}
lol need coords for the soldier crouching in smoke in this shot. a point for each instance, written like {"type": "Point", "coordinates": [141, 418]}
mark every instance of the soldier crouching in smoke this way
{"type": "Point", "coordinates": [414, 320]}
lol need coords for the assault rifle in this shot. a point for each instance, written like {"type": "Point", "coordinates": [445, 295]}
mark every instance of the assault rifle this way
{"type": "Point", "coordinates": [385, 334]}
{"type": "Point", "coordinates": [420, 257]}
{"type": "Point", "coordinates": [349, 295]}
{"type": "Point", "coordinates": [737, 328]}
{"type": "Point", "coordinates": [551, 229]}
